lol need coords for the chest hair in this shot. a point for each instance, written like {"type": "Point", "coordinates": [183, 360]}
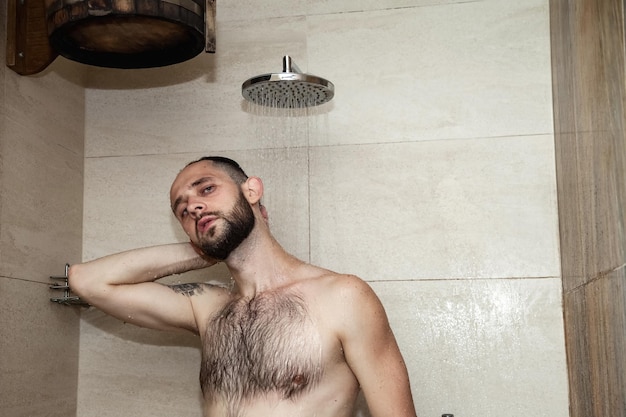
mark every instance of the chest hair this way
{"type": "Point", "coordinates": [266, 344]}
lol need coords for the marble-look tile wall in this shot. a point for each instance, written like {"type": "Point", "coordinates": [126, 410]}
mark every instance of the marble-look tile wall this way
{"type": "Point", "coordinates": [430, 174]}
{"type": "Point", "coordinates": [589, 81]}
{"type": "Point", "coordinates": [41, 185]}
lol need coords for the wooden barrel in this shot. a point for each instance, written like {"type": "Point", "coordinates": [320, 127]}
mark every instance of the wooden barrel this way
{"type": "Point", "coordinates": [126, 33]}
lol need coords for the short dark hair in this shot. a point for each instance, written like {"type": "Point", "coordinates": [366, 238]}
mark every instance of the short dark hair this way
{"type": "Point", "coordinates": [232, 168]}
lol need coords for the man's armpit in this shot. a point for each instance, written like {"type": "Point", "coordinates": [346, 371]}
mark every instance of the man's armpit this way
{"type": "Point", "coordinates": [189, 289]}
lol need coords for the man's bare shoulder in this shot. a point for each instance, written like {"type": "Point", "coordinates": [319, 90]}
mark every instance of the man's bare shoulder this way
{"type": "Point", "coordinates": [338, 288]}
{"type": "Point", "coordinates": [341, 303]}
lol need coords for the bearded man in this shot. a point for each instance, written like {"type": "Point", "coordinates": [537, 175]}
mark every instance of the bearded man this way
{"type": "Point", "coordinates": [289, 339]}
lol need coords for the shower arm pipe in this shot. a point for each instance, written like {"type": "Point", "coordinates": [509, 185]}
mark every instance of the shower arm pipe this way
{"type": "Point", "coordinates": [290, 66]}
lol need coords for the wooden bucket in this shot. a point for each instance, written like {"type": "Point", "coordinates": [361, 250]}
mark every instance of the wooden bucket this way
{"type": "Point", "coordinates": [127, 33]}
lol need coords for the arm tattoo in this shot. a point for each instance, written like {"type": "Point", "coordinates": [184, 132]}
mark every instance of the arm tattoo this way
{"type": "Point", "coordinates": [187, 289]}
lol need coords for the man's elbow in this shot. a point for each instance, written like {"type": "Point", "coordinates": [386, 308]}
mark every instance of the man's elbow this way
{"type": "Point", "coordinates": [78, 282]}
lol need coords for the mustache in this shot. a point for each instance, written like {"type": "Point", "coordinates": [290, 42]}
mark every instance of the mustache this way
{"type": "Point", "coordinates": [210, 213]}
{"type": "Point", "coordinates": [214, 215]}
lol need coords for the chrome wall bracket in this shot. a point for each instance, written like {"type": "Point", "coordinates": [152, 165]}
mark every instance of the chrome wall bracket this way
{"type": "Point", "coordinates": [62, 285]}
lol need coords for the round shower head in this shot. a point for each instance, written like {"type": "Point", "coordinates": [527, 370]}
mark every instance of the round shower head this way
{"type": "Point", "coordinates": [289, 89]}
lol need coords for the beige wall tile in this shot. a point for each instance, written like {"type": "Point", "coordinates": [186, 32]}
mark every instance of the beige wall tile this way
{"type": "Point", "coordinates": [42, 157]}
{"type": "Point", "coordinates": [128, 371]}
{"type": "Point", "coordinates": [443, 209]}
{"type": "Point", "coordinates": [49, 107]}
{"type": "Point", "coordinates": [477, 69]}
{"type": "Point", "coordinates": [42, 204]}
{"type": "Point", "coordinates": [329, 6]}
{"type": "Point", "coordinates": [257, 9]}
{"type": "Point", "coordinates": [481, 347]}
{"type": "Point", "coordinates": [39, 352]}
{"type": "Point", "coordinates": [127, 203]}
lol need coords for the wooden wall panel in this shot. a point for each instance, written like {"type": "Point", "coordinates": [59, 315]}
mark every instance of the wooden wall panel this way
{"type": "Point", "coordinates": [589, 92]}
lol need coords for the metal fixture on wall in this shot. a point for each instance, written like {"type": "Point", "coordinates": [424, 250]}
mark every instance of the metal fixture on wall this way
{"type": "Point", "coordinates": [62, 285]}
{"type": "Point", "coordinates": [288, 89]}
{"type": "Point", "coordinates": [107, 33]}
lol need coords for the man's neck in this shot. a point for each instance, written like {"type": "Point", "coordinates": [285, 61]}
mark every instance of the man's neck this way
{"type": "Point", "coordinates": [260, 264]}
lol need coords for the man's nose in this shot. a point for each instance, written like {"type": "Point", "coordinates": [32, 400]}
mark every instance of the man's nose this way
{"type": "Point", "coordinates": [196, 207]}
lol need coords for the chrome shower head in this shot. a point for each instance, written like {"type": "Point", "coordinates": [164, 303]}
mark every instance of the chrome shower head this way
{"type": "Point", "coordinates": [289, 89]}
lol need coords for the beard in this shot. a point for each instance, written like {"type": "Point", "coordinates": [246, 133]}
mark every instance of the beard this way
{"type": "Point", "coordinates": [239, 222]}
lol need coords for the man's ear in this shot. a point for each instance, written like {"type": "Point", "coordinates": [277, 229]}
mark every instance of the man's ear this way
{"type": "Point", "coordinates": [253, 190]}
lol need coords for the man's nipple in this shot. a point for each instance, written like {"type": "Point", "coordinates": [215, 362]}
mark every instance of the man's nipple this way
{"type": "Point", "coordinates": [298, 381]}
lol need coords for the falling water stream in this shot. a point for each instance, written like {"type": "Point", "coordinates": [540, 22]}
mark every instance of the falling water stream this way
{"type": "Point", "coordinates": [286, 135]}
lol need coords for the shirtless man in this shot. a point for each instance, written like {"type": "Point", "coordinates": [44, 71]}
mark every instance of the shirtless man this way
{"type": "Point", "coordinates": [288, 340]}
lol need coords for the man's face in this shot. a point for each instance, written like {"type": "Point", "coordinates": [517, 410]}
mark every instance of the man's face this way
{"type": "Point", "coordinates": [212, 209]}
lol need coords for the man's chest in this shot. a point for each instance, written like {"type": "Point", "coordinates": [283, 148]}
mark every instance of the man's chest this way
{"type": "Point", "coordinates": [267, 344]}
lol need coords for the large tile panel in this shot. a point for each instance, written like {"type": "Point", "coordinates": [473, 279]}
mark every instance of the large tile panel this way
{"type": "Point", "coordinates": [330, 6]}
{"type": "Point", "coordinates": [440, 209]}
{"type": "Point", "coordinates": [482, 347]}
{"type": "Point", "coordinates": [128, 371]}
{"type": "Point", "coordinates": [258, 9]}
{"type": "Point", "coordinates": [476, 69]}
{"type": "Point", "coordinates": [49, 107]}
{"type": "Point", "coordinates": [38, 352]}
{"type": "Point", "coordinates": [42, 162]}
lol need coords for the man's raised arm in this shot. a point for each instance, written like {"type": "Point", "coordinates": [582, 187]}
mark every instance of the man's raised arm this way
{"type": "Point", "coordinates": [123, 286]}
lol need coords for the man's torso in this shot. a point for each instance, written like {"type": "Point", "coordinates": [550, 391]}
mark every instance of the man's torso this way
{"type": "Point", "coordinates": [276, 354]}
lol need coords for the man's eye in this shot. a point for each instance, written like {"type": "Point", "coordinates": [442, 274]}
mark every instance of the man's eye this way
{"type": "Point", "coordinates": [184, 213]}
{"type": "Point", "coordinates": [207, 190]}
